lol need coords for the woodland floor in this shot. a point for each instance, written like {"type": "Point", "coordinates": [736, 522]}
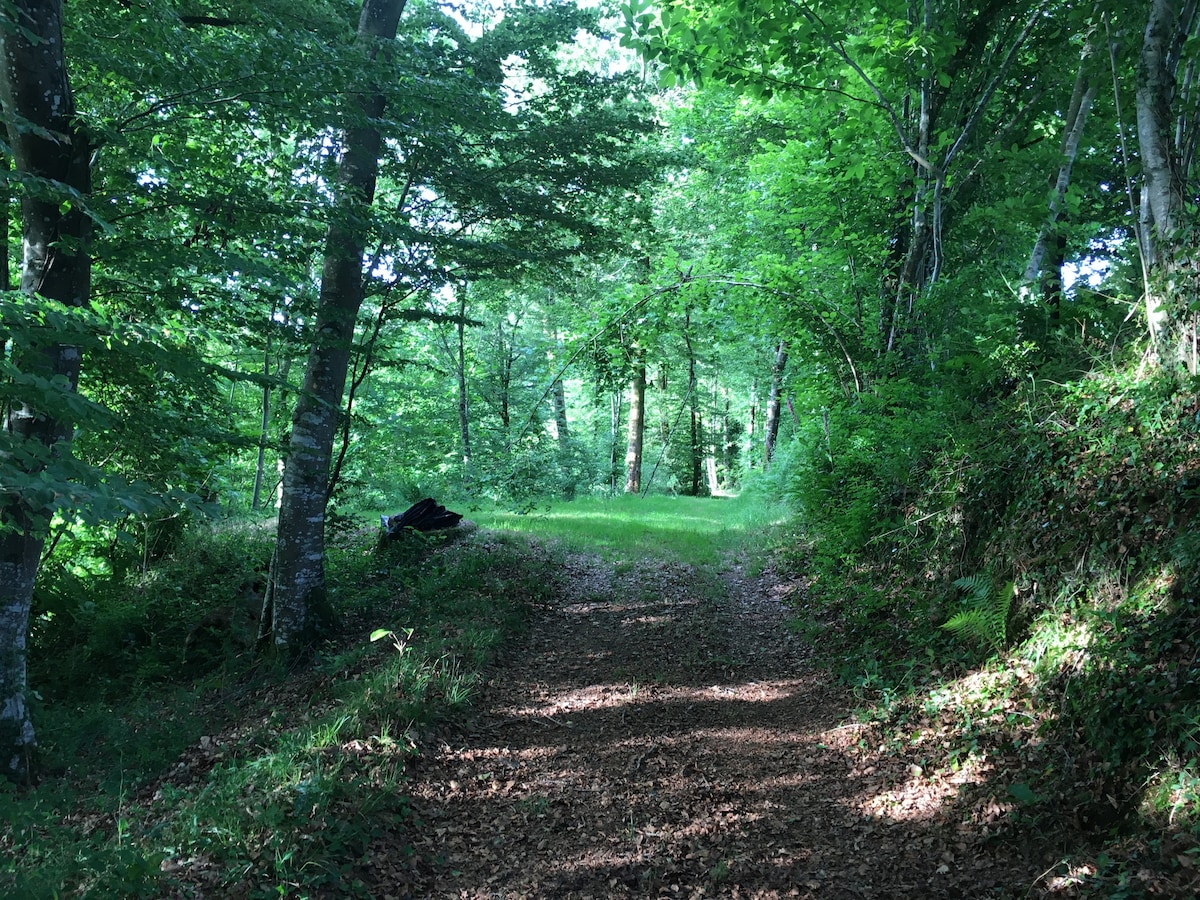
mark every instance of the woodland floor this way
{"type": "Point", "coordinates": [659, 732]}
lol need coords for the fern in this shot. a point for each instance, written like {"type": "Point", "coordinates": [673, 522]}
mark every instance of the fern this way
{"type": "Point", "coordinates": [983, 618]}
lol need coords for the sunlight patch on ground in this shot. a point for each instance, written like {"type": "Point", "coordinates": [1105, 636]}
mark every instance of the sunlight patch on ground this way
{"type": "Point", "coordinates": [611, 696]}
{"type": "Point", "coordinates": [921, 797]}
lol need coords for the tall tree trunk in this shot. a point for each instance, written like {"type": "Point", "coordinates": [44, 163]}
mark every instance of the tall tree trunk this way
{"type": "Point", "coordinates": [695, 431]}
{"type": "Point", "coordinates": [264, 434]}
{"type": "Point", "coordinates": [1053, 260]}
{"type": "Point", "coordinates": [298, 608]}
{"type": "Point", "coordinates": [567, 474]}
{"type": "Point", "coordinates": [464, 408]}
{"type": "Point", "coordinates": [558, 396]}
{"type": "Point", "coordinates": [1168, 26]}
{"type": "Point", "coordinates": [5, 262]}
{"type": "Point", "coordinates": [48, 147]}
{"type": "Point", "coordinates": [637, 428]}
{"type": "Point", "coordinates": [1050, 238]}
{"type": "Point", "coordinates": [752, 424]}
{"type": "Point", "coordinates": [264, 430]}
{"type": "Point", "coordinates": [615, 402]}
{"type": "Point", "coordinates": [774, 403]}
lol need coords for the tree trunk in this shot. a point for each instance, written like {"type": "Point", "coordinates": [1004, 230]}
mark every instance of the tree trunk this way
{"type": "Point", "coordinates": [5, 263]}
{"type": "Point", "coordinates": [695, 431]}
{"type": "Point", "coordinates": [1050, 238]}
{"type": "Point", "coordinates": [299, 609]}
{"type": "Point", "coordinates": [1169, 24]}
{"type": "Point", "coordinates": [615, 400]}
{"type": "Point", "coordinates": [558, 396]}
{"type": "Point", "coordinates": [49, 147]}
{"type": "Point", "coordinates": [637, 422]}
{"type": "Point", "coordinates": [264, 430]}
{"type": "Point", "coordinates": [464, 408]}
{"type": "Point", "coordinates": [774, 403]}
{"type": "Point", "coordinates": [752, 424]}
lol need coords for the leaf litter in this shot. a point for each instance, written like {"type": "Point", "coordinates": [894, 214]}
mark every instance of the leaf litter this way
{"type": "Point", "coordinates": [657, 733]}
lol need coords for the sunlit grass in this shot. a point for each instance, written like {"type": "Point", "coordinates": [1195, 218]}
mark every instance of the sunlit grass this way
{"type": "Point", "coordinates": [696, 530]}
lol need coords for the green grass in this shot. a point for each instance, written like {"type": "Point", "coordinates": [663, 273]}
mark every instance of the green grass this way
{"type": "Point", "coordinates": [699, 531]}
{"type": "Point", "coordinates": [285, 776]}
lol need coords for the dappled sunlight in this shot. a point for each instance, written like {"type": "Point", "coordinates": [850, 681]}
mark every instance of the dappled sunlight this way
{"type": "Point", "coordinates": [692, 528]}
{"type": "Point", "coordinates": [655, 736]}
{"type": "Point", "coordinates": [920, 797]}
{"type": "Point", "coordinates": [615, 695]}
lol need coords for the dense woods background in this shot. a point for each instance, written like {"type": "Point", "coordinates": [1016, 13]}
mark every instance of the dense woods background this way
{"type": "Point", "coordinates": [924, 274]}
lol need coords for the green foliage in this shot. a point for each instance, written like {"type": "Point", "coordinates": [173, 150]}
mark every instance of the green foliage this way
{"type": "Point", "coordinates": [983, 618]}
{"type": "Point", "coordinates": [103, 628]}
{"type": "Point", "coordinates": [313, 772]}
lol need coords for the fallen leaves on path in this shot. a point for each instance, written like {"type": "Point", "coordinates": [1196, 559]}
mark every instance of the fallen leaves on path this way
{"type": "Point", "coordinates": [659, 734]}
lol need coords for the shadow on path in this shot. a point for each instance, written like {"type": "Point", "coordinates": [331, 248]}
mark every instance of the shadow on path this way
{"type": "Point", "coordinates": [659, 733]}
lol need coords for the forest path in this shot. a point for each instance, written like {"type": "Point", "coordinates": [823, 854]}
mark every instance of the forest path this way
{"type": "Point", "coordinates": [658, 732]}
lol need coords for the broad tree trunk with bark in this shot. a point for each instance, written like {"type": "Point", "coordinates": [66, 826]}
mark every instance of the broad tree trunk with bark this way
{"type": "Point", "coordinates": [297, 608]}
{"type": "Point", "coordinates": [51, 151]}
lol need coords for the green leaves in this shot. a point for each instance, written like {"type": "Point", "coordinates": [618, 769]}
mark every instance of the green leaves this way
{"type": "Point", "coordinates": [983, 618]}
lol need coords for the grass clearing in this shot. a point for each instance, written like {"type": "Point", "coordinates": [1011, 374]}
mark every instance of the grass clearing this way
{"type": "Point", "coordinates": [695, 530]}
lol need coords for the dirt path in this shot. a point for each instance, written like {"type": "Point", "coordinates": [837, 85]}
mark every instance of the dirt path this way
{"type": "Point", "coordinates": [658, 733]}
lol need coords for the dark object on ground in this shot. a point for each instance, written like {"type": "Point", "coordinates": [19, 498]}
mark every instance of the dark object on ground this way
{"type": "Point", "coordinates": [424, 515]}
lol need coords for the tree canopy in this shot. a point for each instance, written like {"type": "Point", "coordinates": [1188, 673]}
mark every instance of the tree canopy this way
{"type": "Point", "coordinates": [923, 276]}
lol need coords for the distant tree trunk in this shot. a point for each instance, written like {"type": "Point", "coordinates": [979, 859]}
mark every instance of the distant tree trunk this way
{"type": "Point", "coordinates": [695, 431]}
{"type": "Point", "coordinates": [615, 402]}
{"type": "Point", "coordinates": [464, 410]}
{"type": "Point", "coordinates": [264, 433]}
{"type": "Point", "coordinates": [50, 149]}
{"type": "Point", "coordinates": [558, 397]}
{"type": "Point", "coordinates": [729, 448]}
{"type": "Point", "coordinates": [5, 263]}
{"type": "Point", "coordinates": [1166, 143]}
{"type": "Point", "coordinates": [1053, 260]}
{"type": "Point", "coordinates": [774, 401]}
{"type": "Point", "coordinates": [752, 424]}
{"type": "Point", "coordinates": [637, 423]}
{"type": "Point", "coordinates": [664, 423]}
{"type": "Point", "coordinates": [1082, 96]}
{"type": "Point", "coordinates": [298, 609]}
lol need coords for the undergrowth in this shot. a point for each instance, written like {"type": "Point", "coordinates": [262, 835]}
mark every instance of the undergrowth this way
{"type": "Point", "coordinates": [249, 778]}
{"type": "Point", "coordinates": [1015, 585]}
